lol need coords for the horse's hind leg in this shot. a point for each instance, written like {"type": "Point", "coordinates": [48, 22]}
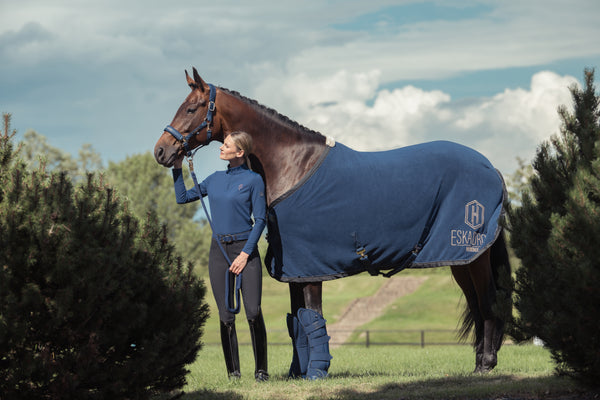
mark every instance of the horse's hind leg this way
{"type": "Point", "coordinates": [482, 283]}
{"type": "Point", "coordinates": [307, 329]}
{"type": "Point", "coordinates": [481, 275]}
{"type": "Point", "coordinates": [472, 315]}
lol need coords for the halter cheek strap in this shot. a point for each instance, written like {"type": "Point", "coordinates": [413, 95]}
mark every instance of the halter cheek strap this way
{"type": "Point", "coordinates": [206, 123]}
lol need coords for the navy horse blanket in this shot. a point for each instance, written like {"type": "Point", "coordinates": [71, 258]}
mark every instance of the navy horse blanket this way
{"type": "Point", "coordinates": [428, 205]}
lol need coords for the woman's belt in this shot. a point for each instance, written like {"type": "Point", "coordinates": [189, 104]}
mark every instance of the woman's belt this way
{"type": "Point", "coordinates": [236, 237]}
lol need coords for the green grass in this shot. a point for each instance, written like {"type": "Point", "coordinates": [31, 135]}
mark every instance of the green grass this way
{"type": "Point", "coordinates": [379, 372]}
{"type": "Point", "coordinates": [385, 372]}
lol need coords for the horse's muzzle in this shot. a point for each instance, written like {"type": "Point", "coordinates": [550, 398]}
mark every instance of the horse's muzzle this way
{"type": "Point", "coordinates": [165, 156]}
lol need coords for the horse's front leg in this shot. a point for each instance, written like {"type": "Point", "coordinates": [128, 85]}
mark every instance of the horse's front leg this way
{"type": "Point", "coordinates": [308, 331]}
{"type": "Point", "coordinates": [306, 295]}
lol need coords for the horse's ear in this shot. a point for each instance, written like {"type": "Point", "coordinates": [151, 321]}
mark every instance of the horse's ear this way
{"type": "Point", "coordinates": [191, 83]}
{"type": "Point", "coordinates": [198, 80]}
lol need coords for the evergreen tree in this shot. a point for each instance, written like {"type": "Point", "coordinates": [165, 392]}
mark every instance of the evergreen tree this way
{"type": "Point", "coordinates": [555, 234]}
{"type": "Point", "coordinates": [93, 304]}
{"type": "Point", "coordinates": [148, 186]}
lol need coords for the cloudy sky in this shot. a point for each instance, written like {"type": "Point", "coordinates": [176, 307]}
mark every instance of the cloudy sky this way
{"type": "Point", "coordinates": [373, 74]}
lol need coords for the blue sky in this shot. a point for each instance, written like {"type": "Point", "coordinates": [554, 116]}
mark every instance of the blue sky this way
{"type": "Point", "coordinates": [374, 75]}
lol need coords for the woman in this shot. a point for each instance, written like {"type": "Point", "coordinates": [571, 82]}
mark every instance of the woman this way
{"type": "Point", "coordinates": [234, 195]}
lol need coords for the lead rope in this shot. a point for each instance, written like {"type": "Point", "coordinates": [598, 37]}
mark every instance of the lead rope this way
{"type": "Point", "coordinates": [229, 297]}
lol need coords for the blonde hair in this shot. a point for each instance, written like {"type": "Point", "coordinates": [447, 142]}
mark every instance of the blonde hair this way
{"type": "Point", "coordinates": [243, 141]}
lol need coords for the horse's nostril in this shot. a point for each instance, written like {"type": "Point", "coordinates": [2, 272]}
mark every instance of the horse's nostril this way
{"type": "Point", "coordinates": [159, 153]}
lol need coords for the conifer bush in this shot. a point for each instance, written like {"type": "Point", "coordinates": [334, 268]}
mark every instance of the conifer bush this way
{"type": "Point", "coordinates": [556, 233]}
{"type": "Point", "coordinates": [93, 303]}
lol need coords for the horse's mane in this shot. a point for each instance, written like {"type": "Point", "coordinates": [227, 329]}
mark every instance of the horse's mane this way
{"type": "Point", "coordinates": [287, 121]}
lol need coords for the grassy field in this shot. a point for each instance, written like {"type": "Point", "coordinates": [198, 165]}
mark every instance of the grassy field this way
{"type": "Point", "coordinates": [386, 372]}
{"type": "Point", "coordinates": [436, 305]}
{"type": "Point", "coordinates": [377, 372]}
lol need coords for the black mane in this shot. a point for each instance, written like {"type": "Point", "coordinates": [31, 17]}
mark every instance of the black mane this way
{"type": "Point", "coordinates": [289, 122]}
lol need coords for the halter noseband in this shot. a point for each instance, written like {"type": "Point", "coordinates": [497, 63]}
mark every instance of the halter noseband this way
{"type": "Point", "coordinates": [184, 140]}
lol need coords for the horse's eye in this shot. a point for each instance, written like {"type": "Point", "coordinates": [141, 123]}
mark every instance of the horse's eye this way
{"type": "Point", "coordinates": [191, 110]}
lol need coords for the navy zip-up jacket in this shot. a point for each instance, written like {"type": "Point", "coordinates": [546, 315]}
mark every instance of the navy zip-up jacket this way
{"type": "Point", "coordinates": [235, 195]}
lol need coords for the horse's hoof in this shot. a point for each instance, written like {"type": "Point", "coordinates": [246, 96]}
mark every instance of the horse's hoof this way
{"type": "Point", "coordinates": [485, 367]}
{"type": "Point", "coordinates": [481, 370]}
{"type": "Point", "coordinates": [261, 376]}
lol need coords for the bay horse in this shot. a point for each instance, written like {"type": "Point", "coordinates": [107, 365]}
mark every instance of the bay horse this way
{"type": "Point", "coordinates": [450, 205]}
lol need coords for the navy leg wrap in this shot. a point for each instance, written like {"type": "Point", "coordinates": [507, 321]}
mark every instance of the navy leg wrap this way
{"type": "Point", "coordinates": [313, 325]}
{"type": "Point", "coordinates": [300, 345]}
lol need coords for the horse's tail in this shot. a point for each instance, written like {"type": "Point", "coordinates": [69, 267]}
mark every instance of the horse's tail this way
{"type": "Point", "coordinates": [501, 273]}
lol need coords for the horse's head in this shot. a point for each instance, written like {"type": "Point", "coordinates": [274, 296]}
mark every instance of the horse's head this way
{"type": "Point", "coordinates": [192, 125]}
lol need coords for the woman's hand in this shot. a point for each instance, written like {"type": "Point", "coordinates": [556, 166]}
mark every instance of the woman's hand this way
{"type": "Point", "coordinates": [239, 263]}
{"type": "Point", "coordinates": [178, 163]}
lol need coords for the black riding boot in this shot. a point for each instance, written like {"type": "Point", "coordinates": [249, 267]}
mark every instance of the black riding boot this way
{"type": "Point", "coordinates": [258, 333]}
{"type": "Point", "coordinates": [230, 349]}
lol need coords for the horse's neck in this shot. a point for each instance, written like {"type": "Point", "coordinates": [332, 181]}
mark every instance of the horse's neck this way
{"type": "Point", "coordinates": [285, 164]}
{"type": "Point", "coordinates": [286, 152]}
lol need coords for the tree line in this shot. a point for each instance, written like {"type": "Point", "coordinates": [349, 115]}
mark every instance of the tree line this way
{"type": "Point", "coordinates": [140, 182]}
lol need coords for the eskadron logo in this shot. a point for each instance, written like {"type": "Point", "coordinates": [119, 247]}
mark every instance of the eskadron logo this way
{"type": "Point", "coordinates": [474, 214]}
{"type": "Point", "coordinates": [469, 239]}
{"type": "Point", "coordinates": [474, 218]}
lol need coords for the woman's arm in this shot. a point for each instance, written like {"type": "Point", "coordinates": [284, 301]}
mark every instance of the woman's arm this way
{"type": "Point", "coordinates": [182, 195]}
{"type": "Point", "coordinates": [259, 211]}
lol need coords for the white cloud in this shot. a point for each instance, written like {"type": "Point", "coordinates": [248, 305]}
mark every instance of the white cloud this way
{"type": "Point", "coordinates": [112, 71]}
{"type": "Point", "coordinates": [350, 108]}
{"type": "Point", "coordinates": [515, 122]}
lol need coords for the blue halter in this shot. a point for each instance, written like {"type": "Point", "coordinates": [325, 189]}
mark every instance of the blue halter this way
{"type": "Point", "coordinates": [207, 123]}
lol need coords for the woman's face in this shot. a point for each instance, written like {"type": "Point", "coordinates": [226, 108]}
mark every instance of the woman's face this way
{"type": "Point", "coordinates": [229, 151]}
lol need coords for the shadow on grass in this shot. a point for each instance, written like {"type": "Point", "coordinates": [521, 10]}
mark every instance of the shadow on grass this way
{"type": "Point", "coordinates": [210, 395]}
{"type": "Point", "coordinates": [504, 387]}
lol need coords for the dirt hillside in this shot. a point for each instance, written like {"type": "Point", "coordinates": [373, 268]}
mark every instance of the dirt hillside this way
{"type": "Point", "coordinates": [365, 309]}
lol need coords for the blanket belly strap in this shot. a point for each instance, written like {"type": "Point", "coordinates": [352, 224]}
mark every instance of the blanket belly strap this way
{"type": "Point", "coordinates": [363, 257]}
{"type": "Point", "coordinates": [405, 262]}
{"type": "Point", "coordinates": [361, 252]}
